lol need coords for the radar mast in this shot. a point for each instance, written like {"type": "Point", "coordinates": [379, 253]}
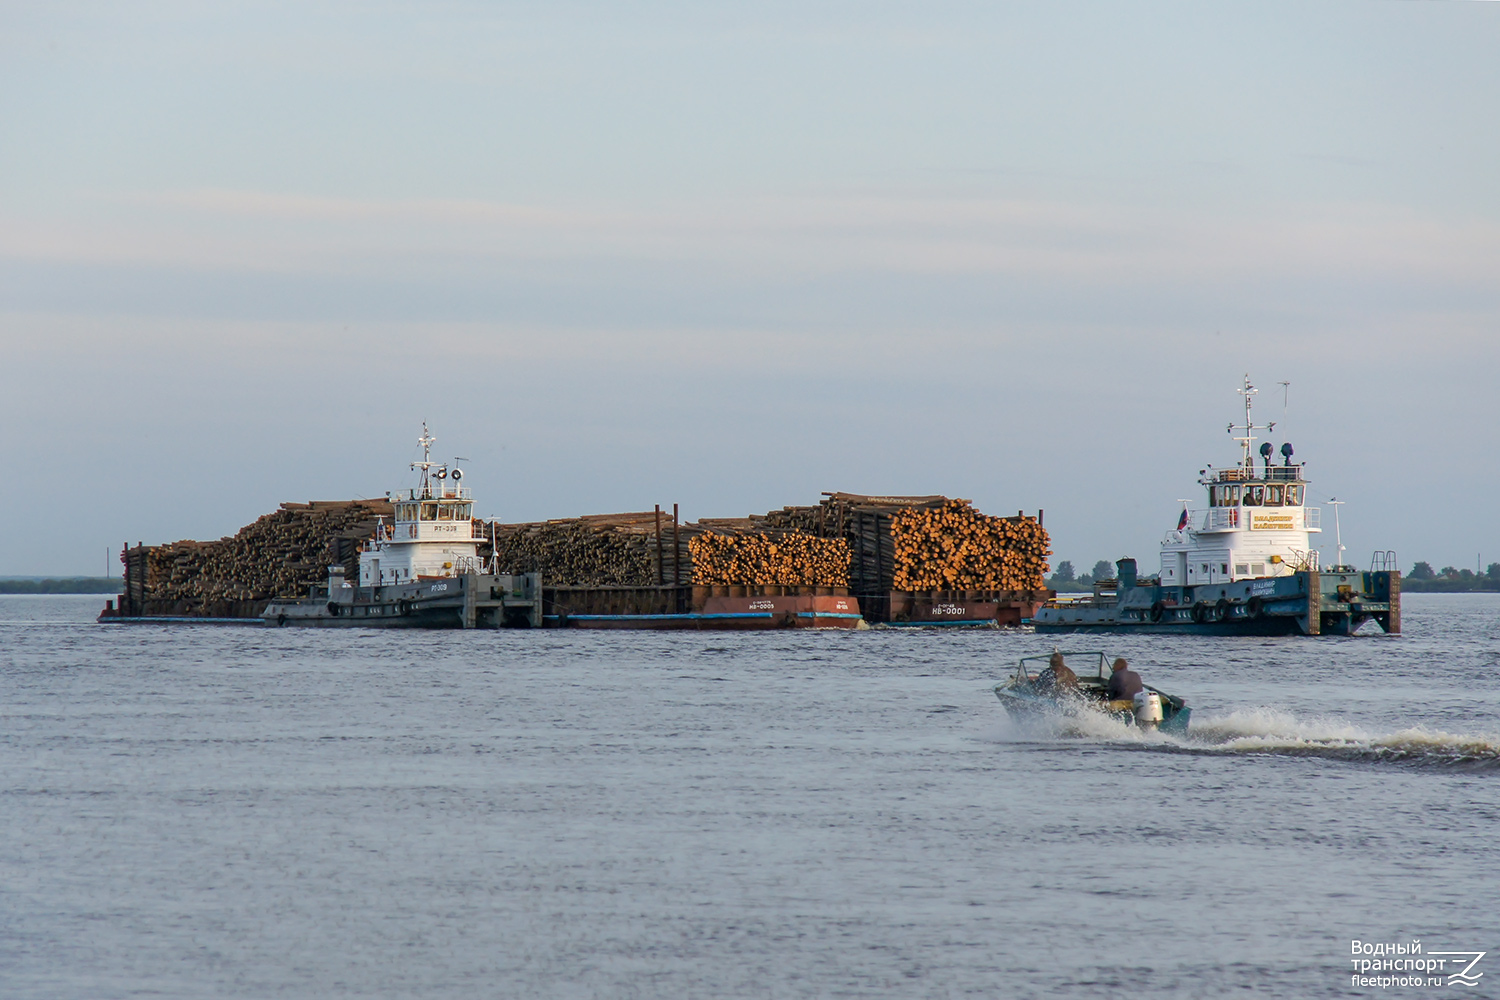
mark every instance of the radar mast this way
{"type": "Point", "coordinates": [427, 441]}
{"type": "Point", "coordinates": [1247, 460]}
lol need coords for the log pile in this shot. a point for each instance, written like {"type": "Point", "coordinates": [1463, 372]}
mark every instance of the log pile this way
{"type": "Point", "coordinates": [281, 554]}
{"type": "Point", "coordinates": [757, 558]}
{"type": "Point", "coordinates": [954, 547]}
{"type": "Point", "coordinates": [890, 543]}
{"type": "Point", "coordinates": [599, 550]}
{"type": "Point", "coordinates": [928, 543]}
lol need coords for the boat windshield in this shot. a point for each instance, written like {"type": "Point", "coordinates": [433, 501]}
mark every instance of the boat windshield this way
{"type": "Point", "coordinates": [1090, 664]}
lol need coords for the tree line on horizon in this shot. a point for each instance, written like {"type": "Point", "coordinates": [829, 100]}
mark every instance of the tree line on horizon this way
{"type": "Point", "coordinates": [1065, 577]}
{"type": "Point", "coordinates": [1450, 579]}
{"type": "Point", "coordinates": [63, 585]}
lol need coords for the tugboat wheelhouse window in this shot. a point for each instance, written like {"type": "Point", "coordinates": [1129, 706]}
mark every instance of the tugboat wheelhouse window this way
{"type": "Point", "coordinates": [1224, 496]}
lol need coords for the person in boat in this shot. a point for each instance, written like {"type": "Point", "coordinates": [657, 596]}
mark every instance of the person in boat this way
{"type": "Point", "coordinates": [1057, 677]}
{"type": "Point", "coordinates": [1124, 683]}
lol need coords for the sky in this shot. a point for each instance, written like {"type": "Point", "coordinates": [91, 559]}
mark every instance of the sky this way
{"type": "Point", "coordinates": [734, 255]}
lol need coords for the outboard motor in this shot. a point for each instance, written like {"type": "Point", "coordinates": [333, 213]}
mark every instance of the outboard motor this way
{"type": "Point", "coordinates": [1148, 713]}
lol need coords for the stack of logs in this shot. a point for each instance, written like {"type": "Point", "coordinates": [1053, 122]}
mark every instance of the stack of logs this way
{"type": "Point", "coordinates": [599, 550]}
{"type": "Point", "coordinates": [763, 559]}
{"type": "Point", "coordinates": [282, 554]}
{"type": "Point", "coordinates": [924, 543]}
{"type": "Point", "coordinates": [886, 543]}
{"type": "Point", "coordinates": [954, 547]}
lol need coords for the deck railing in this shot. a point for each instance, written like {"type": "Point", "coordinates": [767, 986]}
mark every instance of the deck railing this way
{"type": "Point", "coordinates": [1275, 474]}
{"type": "Point", "coordinates": [440, 491]}
{"type": "Point", "coordinates": [1234, 518]}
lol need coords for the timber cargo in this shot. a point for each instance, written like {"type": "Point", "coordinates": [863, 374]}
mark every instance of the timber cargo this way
{"type": "Point", "coordinates": [284, 553]}
{"type": "Point", "coordinates": [419, 558]}
{"type": "Point", "coordinates": [935, 561]}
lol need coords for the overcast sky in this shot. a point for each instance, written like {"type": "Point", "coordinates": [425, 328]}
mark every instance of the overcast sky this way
{"type": "Point", "coordinates": [732, 256]}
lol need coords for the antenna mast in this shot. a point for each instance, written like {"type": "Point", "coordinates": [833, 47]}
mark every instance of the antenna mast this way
{"type": "Point", "coordinates": [1247, 461]}
{"type": "Point", "coordinates": [1338, 535]}
{"type": "Point", "coordinates": [426, 441]}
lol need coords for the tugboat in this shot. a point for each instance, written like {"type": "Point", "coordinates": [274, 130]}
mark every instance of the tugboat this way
{"type": "Point", "coordinates": [423, 570]}
{"type": "Point", "coordinates": [1245, 565]}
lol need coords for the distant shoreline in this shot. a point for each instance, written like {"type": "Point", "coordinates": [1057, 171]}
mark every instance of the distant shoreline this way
{"type": "Point", "coordinates": [62, 585]}
{"type": "Point", "coordinates": [1444, 585]}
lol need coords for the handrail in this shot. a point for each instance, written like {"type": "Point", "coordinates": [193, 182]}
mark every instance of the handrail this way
{"type": "Point", "coordinates": [434, 493]}
{"type": "Point", "coordinates": [1274, 474]}
{"type": "Point", "coordinates": [1232, 518]}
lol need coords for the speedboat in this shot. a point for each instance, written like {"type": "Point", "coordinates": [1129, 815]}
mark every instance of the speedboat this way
{"type": "Point", "coordinates": [1028, 696]}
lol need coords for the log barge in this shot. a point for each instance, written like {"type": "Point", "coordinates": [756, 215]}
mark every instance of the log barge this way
{"type": "Point", "coordinates": [1244, 565]}
{"type": "Point", "coordinates": [419, 559]}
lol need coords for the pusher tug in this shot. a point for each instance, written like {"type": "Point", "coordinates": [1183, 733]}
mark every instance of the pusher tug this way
{"type": "Point", "coordinates": [1245, 565]}
{"type": "Point", "coordinates": [421, 571]}
{"type": "Point", "coordinates": [424, 571]}
{"type": "Point", "coordinates": [1026, 698]}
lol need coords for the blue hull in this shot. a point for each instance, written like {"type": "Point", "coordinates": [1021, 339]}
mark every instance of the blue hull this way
{"type": "Point", "coordinates": [1264, 627]}
{"type": "Point", "coordinates": [1307, 602]}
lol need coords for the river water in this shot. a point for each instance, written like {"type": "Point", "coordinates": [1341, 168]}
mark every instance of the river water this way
{"type": "Point", "coordinates": [235, 812]}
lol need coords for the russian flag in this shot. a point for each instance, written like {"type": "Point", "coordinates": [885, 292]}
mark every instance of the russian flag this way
{"type": "Point", "coordinates": [1183, 520]}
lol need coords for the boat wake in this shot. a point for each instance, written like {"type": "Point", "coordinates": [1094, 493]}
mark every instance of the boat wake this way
{"type": "Point", "coordinates": [1272, 731]}
{"type": "Point", "coordinates": [1278, 733]}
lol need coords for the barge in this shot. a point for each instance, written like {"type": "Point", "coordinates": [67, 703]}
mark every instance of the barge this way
{"type": "Point", "coordinates": [1244, 565]}
{"type": "Point", "coordinates": [417, 558]}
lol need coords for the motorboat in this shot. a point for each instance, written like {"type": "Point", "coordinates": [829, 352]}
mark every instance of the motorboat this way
{"type": "Point", "coordinates": [1030, 695]}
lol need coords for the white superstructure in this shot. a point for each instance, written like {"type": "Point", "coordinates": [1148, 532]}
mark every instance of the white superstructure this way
{"type": "Point", "coordinates": [1257, 523]}
{"type": "Point", "coordinates": [432, 534]}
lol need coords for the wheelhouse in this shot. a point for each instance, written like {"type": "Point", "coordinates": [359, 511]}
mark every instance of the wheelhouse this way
{"type": "Point", "coordinates": [1257, 522]}
{"type": "Point", "coordinates": [432, 530]}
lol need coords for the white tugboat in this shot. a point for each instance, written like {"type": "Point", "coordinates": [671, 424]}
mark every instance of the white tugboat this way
{"type": "Point", "coordinates": [422, 570]}
{"type": "Point", "coordinates": [1244, 565]}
